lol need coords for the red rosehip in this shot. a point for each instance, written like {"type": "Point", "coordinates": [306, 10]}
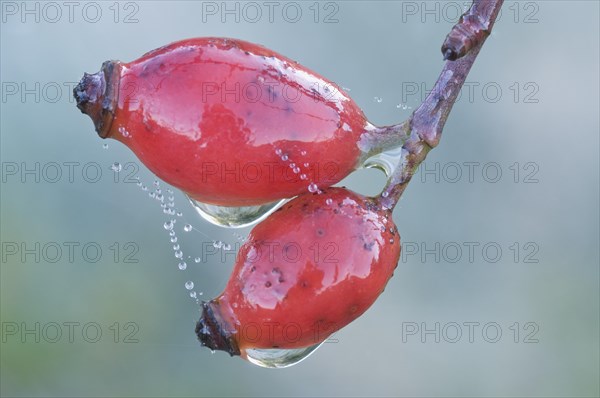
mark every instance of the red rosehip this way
{"type": "Point", "coordinates": [223, 120]}
{"type": "Point", "coordinates": [309, 269]}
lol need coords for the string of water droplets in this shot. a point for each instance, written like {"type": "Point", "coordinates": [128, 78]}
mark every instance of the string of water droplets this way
{"type": "Point", "coordinates": [168, 207]}
{"type": "Point", "coordinates": [297, 169]}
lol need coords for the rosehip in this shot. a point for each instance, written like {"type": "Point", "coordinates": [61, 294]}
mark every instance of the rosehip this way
{"type": "Point", "coordinates": [309, 269]}
{"type": "Point", "coordinates": [223, 120]}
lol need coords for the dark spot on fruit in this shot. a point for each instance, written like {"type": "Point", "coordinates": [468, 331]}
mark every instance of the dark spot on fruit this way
{"type": "Point", "coordinates": [336, 211]}
{"type": "Point", "coordinates": [267, 284]}
{"type": "Point", "coordinates": [304, 284]}
{"type": "Point", "coordinates": [247, 52]}
{"type": "Point", "coordinates": [281, 280]}
{"type": "Point", "coordinates": [320, 232]}
{"type": "Point", "coordinates": [253, 269]}
{"type": "Point", "coordinates": [353, 308]}
{"type": "Point", "coordinates": [369, 246]}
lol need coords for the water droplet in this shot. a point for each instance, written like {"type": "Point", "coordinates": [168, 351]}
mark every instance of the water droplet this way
{"type": "Point", "coordinates": [172, 233]}
{"type": "Point", "coordinates": [217, 244]}
{"type": "Point", "coordinates": [306, 165]}
{"type": "Point", "coordinates": [168, 225]}
{"type": "Point", "coordinates": [139, 183]}
{"type": "Point", "coordinates": [378, 99]}
{"type": "Point", "coordinates": [292, 165]}
{"type": "Point", "coordinates": [284, 157]}
{"type": "Point", "coordinates": [312, 187]}
{"type": "Point", "coordinates": [303, 153]}
{"type": "Point", "coordinates": [278, 358]}
{"type": "Point", "coordinates": [176, 247]}
{"type": "Point", "coordinates": [226, 246]}
{"type": "Point", "coordinates": [182, 265]}
{"type": "Point", "coordinates": [197, 260]}
{"type": "Point", "coordinates": [193, 295]}
{"type": "Point", "coordinates": [391, 240]}
{"type": "Point", "coordinates": [173, 239]}
{"type": "Point", "coordinates": [187, 227]}
{"type": "Point", "coordinates": [385, 194]}
{"type": "Point", "coordinates": [303, 177]}
{"type": "Point", "coordinates": [189, 285]}
{"type": "Point", "coordinates": [116, 167]}
{"type": "Point", "coordinates": [179, 254]}
{"type": "Point", "coordinates": [278, 152]}
{"type": "Point", "coordinates": [329, 201]}
{"type": "Point", "coordinates": [170, 198]}
{"type": "Point", "coordinates": [234, 217]}
{"type": "Point", "coordinates": [179, 214]}
{"type": "Point", "coordinates": [104, 146]}
{"type": "Point", "coordinates": [144, 188]}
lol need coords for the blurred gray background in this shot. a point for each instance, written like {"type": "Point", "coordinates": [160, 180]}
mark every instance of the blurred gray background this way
{"type": "Point", "coordinates": [530, 114]}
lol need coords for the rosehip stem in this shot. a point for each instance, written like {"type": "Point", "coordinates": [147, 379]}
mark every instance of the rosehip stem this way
{"type": "Point", "coordinates": [427, 122]}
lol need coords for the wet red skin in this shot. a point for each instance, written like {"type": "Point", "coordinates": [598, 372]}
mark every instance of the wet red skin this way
{"type": "Point", "coordinates": [300, 297]}
{"type": "Point", "coordinates": [192, 115]}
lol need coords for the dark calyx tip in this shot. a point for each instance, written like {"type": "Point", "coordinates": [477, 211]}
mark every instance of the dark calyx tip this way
{"type": "Point", "coordinates": [211, 332]}
{"type": "Point", "coordinates": [96, 96]}
{"type": "Point", "coordinates": [88, 91]}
